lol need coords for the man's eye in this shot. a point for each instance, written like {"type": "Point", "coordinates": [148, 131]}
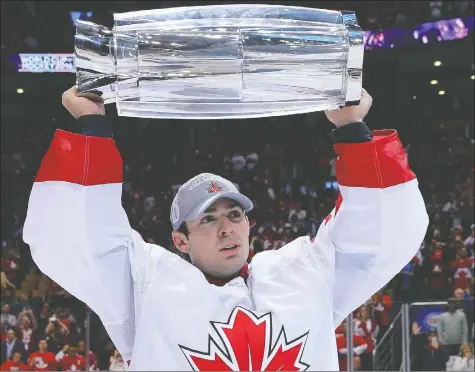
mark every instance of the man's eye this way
{"type": "Point", "coordinates": [235, 214]}
{"type": "Point", "coordinates": [207, 219]}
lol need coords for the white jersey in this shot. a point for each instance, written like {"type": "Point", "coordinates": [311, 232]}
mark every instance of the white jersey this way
{"type": "Point", "coordinates": [160, 311]}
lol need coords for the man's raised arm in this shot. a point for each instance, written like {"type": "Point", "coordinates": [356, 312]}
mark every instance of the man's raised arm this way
{"type": "Point", "coordinates": [77, 230]}
{"type": "Point", "coordinates": [380, 217]}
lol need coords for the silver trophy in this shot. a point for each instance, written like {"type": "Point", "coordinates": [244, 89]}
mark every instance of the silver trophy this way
{"type": "Point", "coordinates": [222, 61]}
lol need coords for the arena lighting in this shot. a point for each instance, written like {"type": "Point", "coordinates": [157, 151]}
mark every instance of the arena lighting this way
{"type": "Point", "coordinates": [434, 82]}
{"type": "Point", "coordinates": [20, 91]}
{"type": "Point", "coordinates": [441, 92]}
{"type": "Point", "coordinates": [472, 77]}
{"type": "Point", "coordinates": [437, 63]}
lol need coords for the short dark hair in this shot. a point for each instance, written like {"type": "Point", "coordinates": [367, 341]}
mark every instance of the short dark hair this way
{"type": "Point", "coordinates": [183, 229]}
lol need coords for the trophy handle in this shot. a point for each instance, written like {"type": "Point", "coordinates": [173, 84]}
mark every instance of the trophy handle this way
{"type": "Point", "coordinates": [95, 69]}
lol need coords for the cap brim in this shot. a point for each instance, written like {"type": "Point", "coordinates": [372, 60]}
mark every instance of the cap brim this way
{"type": "Point", "coordinates": [243, 201]}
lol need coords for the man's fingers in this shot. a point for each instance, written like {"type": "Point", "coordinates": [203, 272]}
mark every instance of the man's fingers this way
{"type": "Point", "coordinates": [92, 97]}
{"type": "Point", "coordinates": [71, 92]}
{"type": "Point", "coordinates": [364, 92]}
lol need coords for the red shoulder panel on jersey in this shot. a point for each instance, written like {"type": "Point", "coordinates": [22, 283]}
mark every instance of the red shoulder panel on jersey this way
{"type": "Point", "coordinates": [81, 159]}
{"type": "Point", "coordinates": [379, 163]}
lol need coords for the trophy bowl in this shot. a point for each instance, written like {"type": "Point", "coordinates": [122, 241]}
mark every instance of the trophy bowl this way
{"type": "Point", "coordinates": [222, 61]}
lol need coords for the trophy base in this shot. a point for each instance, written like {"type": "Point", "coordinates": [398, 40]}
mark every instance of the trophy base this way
{"type": "Point", "coordinates": [226, 98]}
{"type": "Point", "coordinates": [228, 110]}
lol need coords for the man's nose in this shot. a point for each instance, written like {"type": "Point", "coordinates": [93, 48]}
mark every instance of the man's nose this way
{"type": "Point", "coordinates": [225, 226]}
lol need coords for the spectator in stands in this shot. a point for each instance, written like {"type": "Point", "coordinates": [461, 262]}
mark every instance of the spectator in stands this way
{"type": "Point", "coordinates": [15, 363]}
{"type": "Point", "coordinates": [7, 320]}
{"type": "Point", "coordinates": [106, 354]}
{"type": "Point", "coordinates": [381, 305]}
{"type": "Point", "coordinates": [10, 266]}
{"type": "Point", "coordinates": [436, 272]}
{"type": "Point", "coordinates": [56, 294]}
{"type": "Point", "coordinates": [22, 305]}
{"type": "Point", "coordinates": [464, 360]}
{"type": "Point", "coordinates": [359, 346]}
{"type": "Point", "coordinates": [405, 280]}
{"type": "Point", "coordinates": [368, 329]}
{"type": "Point", "coordinates": [427, 355]}
{"type": "Point", "coordinates": [465, 302]}
{"type": "Point", "coordinates": [54, 343]}
{"type": "Point", "coordinates": [72, 360]}
{"type": "Point", "coordinates": [62, 325]}
{"type": "Point", "coordinates": [43, 318]}
{"type": "Point", "coordinates": [357, 363]}
{"type": "Point", "coordinates": [92, 356]}
{"type": "Point", "coordinates": [116, 362]}
{"type": "Point", "coordinates": [42, 360]}
{"type": "Point", "coordinates": [452, 328]}
{"type": "Point", "coordinates": [6, 285]}
{"type": "Point", "coordinates": [26, 331]}
{"type": "Point", "coordinates": [11, 346]}
{"type": "Point", "coordinates": [462, 268]}
{"type": "Point", "coordinates": [28, 314]}
{"type": "Point", "coordinates": [469, 242]}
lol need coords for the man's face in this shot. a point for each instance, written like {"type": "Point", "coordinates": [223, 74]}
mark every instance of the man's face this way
{"type": "Point", "coordinates": [26, 322]}
{"type": "Point", "coordinates": [223, 224]}
{"type": "Point", "coordinates": [16, 357]}
{"type": "Point", "coordinates": [364, 312]}
{"type": "Point", "coordinates": [357, 363]}
{"type": "Point", "coordinates": [10, 335]}
{"type": "Point", "coordinates": [459, 294]}
{"type": "Point", "coordinates": [81, 346]}
{"type": "Point", "coordinates": [72, 351]}
{"type": "Point", "coordinates": [43, 345]}
{"type": "Point", "coordinates": [344, 327]}
{"type": "Point", "coordinates": [6, 308]}
{"type": "Point", "coordinates": [462, 253]}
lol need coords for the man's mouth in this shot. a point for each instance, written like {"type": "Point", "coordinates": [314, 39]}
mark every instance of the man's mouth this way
{"type": "Point", "coordinates": [231, 248]}
{"type": "Point", "coordinates": [228, 247]}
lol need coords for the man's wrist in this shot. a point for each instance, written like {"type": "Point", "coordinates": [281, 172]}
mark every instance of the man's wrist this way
{"type": "Point", "coordinates": [357, 132]}
{"type": "Point", "coordinates": [95, 125]}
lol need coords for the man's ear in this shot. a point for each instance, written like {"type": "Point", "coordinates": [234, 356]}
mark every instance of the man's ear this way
{"type": "Point", "coordinates": [181, 242]}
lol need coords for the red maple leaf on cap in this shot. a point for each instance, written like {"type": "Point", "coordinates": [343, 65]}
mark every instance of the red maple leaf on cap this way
{"type": "Point", "coordinates": [214, 188]}
{"type": "Point", "coordinates": [247, 342]}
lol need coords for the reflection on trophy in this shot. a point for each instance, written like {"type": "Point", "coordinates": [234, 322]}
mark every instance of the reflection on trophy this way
{"type": "Point", "coordinates": [217, 62]}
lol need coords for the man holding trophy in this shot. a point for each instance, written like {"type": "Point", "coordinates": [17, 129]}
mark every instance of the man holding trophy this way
{"type": "Point", "coordinates": [218, 313]}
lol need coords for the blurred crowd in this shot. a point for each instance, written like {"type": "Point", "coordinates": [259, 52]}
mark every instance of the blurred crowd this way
{"type": "Point", "coordinates": [390, 14]}
{"type": "Point", "coordinates": [290, 176]}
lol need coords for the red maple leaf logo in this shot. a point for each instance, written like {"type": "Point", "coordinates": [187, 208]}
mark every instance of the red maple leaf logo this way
{"type": "Point", "coordinates": [214, 188]}
{"type": "Point", "coordinates": [247, 342]}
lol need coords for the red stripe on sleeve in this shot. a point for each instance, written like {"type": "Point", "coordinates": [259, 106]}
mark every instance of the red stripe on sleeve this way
{"type": "Point", "coordinates": [80, 159]}
{"type": "Point", "coordinates": [379, 163]}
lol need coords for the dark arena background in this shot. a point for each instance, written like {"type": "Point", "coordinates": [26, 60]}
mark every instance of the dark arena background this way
{"type": "Point", "coordinates": [418, 67]}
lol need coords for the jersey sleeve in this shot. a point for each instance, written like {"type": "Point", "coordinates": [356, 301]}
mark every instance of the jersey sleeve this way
{"type": "Point", "coordinates": [75, 212]}
{"type": "Point", "coordinates": [378, 223]}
